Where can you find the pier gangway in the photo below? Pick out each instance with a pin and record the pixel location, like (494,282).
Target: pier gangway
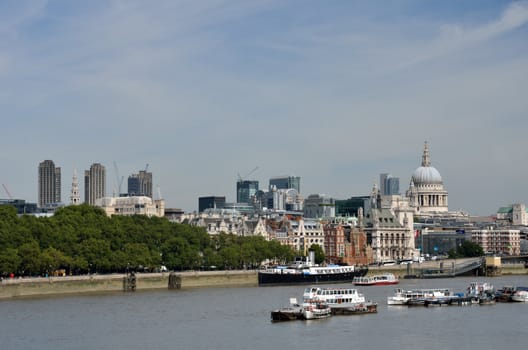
(465,266)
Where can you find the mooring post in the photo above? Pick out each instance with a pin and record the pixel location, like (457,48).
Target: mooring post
(129,282)
(174,281)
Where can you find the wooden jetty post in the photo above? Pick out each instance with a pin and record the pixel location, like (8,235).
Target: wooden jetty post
(129,282)
(174,281)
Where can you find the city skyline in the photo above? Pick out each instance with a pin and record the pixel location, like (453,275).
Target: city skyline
(344,91)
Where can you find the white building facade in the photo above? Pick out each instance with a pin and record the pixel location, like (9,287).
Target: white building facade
(128,206)
(305,233)
(497,241)
(216,221)
(389,224)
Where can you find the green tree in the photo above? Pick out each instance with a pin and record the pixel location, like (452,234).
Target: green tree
(470,249)
(53,259)
(30,259)
(9,261)
(466,249)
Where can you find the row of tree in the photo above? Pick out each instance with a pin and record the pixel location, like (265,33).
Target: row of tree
(82,239)
(467,249)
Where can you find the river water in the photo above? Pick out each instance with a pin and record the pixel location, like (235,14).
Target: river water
(239,318)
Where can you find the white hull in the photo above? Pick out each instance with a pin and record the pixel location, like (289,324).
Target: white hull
(316,311)
(395,300)
(520,296)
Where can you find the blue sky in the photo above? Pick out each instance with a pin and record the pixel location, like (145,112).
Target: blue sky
(336,92)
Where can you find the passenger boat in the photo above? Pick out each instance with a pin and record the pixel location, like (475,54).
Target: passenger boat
(520,295)
(315,309)
(304,271)
(293,312)
(423,297)
(376,280)
(342,301)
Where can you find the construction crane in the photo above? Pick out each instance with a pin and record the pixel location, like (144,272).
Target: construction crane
(146,167)
(7,191)
(119,179)
(240,178)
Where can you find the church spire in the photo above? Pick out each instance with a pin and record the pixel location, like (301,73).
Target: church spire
(75,198)
(426,161)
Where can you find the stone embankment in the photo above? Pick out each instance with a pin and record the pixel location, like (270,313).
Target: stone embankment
(48,286)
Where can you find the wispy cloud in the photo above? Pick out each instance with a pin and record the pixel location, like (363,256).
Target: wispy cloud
(454,37)
(332,91)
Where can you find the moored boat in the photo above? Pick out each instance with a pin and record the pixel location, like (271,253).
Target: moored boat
(480,293)
(376,280)
(293,312)
(425,297)
(520,295)
(342,301)
(315,309)
(505,293)
(306,272)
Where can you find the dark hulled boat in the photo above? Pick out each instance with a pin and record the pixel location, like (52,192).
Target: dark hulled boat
(303,272)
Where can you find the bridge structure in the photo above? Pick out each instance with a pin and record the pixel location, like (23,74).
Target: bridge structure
(449,268)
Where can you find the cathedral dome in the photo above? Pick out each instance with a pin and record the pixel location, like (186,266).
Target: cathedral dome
(426,175)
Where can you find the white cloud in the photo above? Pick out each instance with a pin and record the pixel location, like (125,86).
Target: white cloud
(203,90)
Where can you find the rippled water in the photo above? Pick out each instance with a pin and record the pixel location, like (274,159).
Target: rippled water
(239,318)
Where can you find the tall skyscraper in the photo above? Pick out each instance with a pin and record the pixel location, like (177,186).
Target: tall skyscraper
(389,185)
(75,197)
(94,183)
(246,189)
(140,184)
(286,182)
(49,189)
(392,187)
(382,182)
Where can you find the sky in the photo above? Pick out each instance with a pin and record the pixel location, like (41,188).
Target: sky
(335,92)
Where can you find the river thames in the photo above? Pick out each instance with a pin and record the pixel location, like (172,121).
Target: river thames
(239,318)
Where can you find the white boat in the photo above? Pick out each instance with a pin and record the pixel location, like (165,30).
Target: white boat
(420,297)
(480,293)
(520,295)
(315,309)
(341,300)
(376,280)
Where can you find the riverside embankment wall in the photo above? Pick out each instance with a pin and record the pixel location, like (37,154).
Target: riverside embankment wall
(44,286)
(32,287)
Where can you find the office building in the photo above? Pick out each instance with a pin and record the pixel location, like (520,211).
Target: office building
(21,205)
(389,185)
(94,183)
(350,207)
(286,182)
(49,185)
(140,184)
(319,206)
(129,206)
(211,202)
(246,190)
